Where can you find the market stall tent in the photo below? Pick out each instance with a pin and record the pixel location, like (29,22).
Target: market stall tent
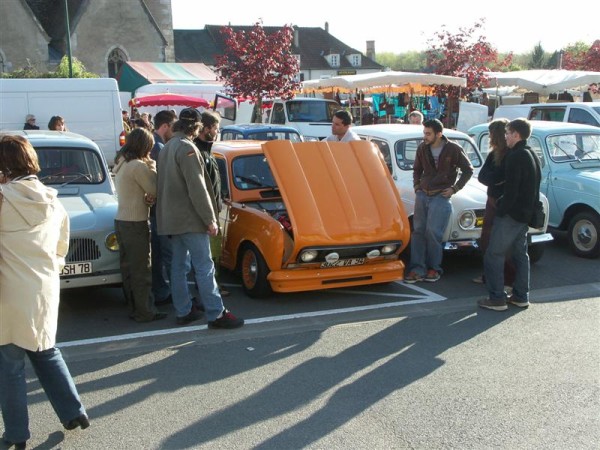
(544,82)
(135,74)
(169,100)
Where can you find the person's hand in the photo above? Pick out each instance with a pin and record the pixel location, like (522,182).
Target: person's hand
(448,192)
(213,229)
(149,199)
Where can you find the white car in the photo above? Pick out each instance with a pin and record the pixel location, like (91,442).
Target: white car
(398,144)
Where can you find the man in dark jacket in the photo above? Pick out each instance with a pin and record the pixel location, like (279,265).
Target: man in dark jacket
(435,179)
(514,211)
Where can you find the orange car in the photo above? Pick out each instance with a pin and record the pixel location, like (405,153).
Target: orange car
(310,215)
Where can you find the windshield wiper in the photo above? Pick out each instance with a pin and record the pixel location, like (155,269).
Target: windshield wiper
(569,155)
(254,182)
(79,176)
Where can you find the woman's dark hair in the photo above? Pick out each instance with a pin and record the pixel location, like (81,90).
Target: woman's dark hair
(138,144)
(497,140)
(55,120)
(17,157)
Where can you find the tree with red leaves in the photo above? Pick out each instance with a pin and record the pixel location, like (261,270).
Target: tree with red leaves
(258,65)
(580,56)
(463,54)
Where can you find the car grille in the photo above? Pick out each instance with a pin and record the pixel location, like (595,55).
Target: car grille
(82,249)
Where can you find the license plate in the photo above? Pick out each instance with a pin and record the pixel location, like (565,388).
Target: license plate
(76,269)
(344,263)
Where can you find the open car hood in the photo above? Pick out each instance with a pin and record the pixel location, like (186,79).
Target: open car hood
(337,193)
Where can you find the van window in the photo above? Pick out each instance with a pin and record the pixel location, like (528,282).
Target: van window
(311,111)
(554,114)
(278,115)
(578,115)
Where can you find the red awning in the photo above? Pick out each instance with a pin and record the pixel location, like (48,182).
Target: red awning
(169,100)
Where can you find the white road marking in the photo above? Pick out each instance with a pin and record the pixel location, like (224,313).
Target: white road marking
(426,297)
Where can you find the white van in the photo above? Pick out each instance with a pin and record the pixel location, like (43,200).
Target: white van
(310,116)
(90,106)
(586,113)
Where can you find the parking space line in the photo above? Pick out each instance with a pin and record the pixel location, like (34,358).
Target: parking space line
(427,297)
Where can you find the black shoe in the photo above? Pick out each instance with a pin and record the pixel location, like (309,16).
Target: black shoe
(227,321)
(156,316)
(17,445)
(192,316)
(165,301)
(81,421)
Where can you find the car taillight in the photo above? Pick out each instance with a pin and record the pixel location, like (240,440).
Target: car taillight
(122,138)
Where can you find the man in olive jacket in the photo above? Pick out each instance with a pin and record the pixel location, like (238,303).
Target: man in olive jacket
(435,174)
(186,212)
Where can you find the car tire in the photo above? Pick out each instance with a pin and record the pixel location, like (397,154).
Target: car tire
(536,252)
(583,235)
(254,271)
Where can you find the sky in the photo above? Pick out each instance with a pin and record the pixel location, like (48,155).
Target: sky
(399,26)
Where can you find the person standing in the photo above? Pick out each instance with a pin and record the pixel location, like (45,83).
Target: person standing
(513,213)
(341,128)
(435,179)
(135,179)
(206,137)
(161,247)
(186,212)
(415,118)
(34,240)
(492,175)
(30,123)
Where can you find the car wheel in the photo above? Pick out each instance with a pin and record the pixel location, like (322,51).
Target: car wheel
(254,273)
(536,252)
(583,235)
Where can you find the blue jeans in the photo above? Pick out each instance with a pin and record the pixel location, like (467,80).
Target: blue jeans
(198,246)
(430,220)
(508,236)
(54,376)
(161,262)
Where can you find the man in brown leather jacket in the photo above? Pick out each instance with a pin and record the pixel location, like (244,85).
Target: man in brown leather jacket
(435,179)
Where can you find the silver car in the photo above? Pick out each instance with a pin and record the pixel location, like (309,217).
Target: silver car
(74,166)
(398,144)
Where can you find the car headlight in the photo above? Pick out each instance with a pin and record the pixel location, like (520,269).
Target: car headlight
(467,220)
(311,138)
(308,255)
(111,242)
(388,249)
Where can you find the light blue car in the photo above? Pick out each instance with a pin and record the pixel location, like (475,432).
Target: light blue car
(570,156)
(74,166)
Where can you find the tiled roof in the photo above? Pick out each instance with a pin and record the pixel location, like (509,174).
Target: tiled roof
(314,44)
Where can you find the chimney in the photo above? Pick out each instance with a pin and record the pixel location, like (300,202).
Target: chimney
(296,38)
(371,50)
(326,27)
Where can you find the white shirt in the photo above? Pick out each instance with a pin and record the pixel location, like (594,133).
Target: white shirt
(349,136)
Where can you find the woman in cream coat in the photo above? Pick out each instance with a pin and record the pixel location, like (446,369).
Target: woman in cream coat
(34,239)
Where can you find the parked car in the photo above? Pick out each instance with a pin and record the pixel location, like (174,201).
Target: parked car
(309,215)
(398,144)
(575,112)
(570,156)
(259,132)
(75,166)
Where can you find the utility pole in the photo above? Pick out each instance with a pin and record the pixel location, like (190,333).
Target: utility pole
(68,39)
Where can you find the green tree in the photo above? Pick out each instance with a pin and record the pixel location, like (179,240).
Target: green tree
(406,62)
(537,57)
(62,71)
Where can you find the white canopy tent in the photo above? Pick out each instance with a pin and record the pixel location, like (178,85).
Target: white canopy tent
(544,82)
(390,79)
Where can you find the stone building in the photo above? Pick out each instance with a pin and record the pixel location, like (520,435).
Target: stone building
(104,33)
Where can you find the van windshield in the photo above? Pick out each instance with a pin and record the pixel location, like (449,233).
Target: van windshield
(311,111)
(69,166)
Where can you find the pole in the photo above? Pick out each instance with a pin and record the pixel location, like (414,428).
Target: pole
(69,56)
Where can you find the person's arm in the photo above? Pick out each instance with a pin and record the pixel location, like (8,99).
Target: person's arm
(145,176)
(486,174)
(418,169)
(514,172)
(466,169)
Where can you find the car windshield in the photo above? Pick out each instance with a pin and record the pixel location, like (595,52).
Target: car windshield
(311,111)
(273,135)
(252,172)
(573,146)
(69,166)
(406,151)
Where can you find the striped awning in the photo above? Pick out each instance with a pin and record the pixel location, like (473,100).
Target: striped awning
(135,74)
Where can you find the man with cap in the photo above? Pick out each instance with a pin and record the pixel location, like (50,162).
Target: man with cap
(186,213)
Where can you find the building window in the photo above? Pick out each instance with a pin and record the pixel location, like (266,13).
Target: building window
(334,60)
(355,60)
(116,58)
